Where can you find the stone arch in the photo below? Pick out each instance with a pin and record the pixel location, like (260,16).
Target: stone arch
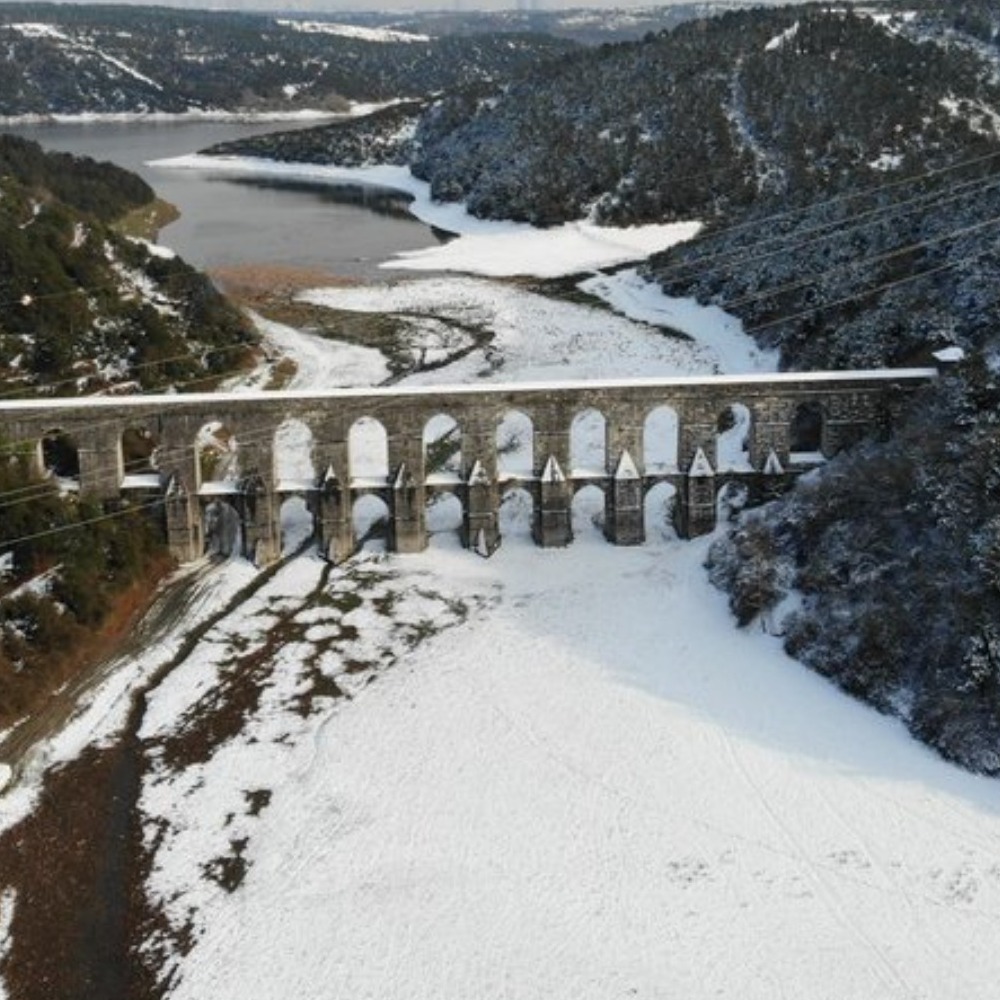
(296,523)
(368,452)
(587,512)
(217,453)
(371,521)
(515,443)
(732,441)
(805,429)
(658,511)
(444,518)
(222,529)
(588,443)
(59,455)
(138,446)
(442,443)
(660,437)
(294,467)
(516,516)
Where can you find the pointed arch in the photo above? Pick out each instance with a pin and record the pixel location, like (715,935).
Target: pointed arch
(660,436)
(515,442)
(368,452)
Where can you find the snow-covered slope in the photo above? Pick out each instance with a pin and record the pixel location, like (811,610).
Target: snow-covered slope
(590,787)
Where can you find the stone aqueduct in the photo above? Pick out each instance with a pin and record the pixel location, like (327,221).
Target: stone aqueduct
(842,406)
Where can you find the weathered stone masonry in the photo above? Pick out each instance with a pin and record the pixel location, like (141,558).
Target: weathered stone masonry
(848,406)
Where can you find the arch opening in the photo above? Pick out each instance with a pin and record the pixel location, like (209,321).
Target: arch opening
(218,456)
(732,442)
(588,435)
(660,434)
(222,530)
(444,520)
(294,468)
(658,511)
(368,452)
(516,516)
(442,441)
(515,443)
(371,521)
(60,456)
(139,447)
(729,501)
(296,524)
(805,432)
(587,513)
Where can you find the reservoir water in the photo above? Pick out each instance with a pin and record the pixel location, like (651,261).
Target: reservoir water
(228,220)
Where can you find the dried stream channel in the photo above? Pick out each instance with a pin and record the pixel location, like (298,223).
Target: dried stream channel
(81,857)
(228,221)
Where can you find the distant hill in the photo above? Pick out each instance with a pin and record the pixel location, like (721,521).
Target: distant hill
(586,25)
(76,59)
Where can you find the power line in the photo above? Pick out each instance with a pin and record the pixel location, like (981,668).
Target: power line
(860,263)
(816,206)
(61,529)
(726,260)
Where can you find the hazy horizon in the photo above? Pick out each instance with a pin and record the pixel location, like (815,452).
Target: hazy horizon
(408,6)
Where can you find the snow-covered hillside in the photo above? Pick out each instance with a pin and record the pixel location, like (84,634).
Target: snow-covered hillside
(116,60)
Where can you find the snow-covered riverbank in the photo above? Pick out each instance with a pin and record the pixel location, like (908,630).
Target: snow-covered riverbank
(536,335)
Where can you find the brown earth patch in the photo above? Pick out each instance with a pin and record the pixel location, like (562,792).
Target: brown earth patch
(264,283)
(271,290)
(46,704)
(77,867)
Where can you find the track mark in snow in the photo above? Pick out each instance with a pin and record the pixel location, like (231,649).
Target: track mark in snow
(890,974)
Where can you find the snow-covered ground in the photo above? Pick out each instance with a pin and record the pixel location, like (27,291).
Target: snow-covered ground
(534,337)
(586,785)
